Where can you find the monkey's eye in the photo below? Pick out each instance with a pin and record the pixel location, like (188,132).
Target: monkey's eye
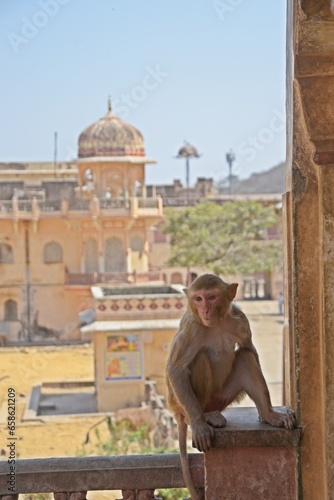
(211,297)
(198,298)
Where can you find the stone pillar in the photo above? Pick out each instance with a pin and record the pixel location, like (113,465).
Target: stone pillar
(309,210)
(134,207)
(129,269)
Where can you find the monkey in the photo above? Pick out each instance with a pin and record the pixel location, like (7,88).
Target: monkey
(213,362)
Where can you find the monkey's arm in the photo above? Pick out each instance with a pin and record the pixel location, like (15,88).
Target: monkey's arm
(183,399)
(243,331)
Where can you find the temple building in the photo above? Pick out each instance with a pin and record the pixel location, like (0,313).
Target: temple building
(66,226)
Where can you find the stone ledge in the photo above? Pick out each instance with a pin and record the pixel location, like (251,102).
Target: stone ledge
(243,429)
(47,475)
(244,442)
(250,459)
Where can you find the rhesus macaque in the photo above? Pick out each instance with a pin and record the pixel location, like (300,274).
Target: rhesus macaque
(213,362)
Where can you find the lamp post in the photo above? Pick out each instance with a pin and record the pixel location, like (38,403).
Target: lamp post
(230,157)
(188,151)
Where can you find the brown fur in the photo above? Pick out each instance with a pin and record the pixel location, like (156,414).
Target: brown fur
(213,362)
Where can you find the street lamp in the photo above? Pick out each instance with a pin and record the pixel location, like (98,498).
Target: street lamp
(230,157)
(188,151)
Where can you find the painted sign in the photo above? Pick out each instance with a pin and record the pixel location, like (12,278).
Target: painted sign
(123,357)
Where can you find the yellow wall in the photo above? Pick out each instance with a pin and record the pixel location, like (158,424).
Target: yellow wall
(59,308)
(53,304)
(112,395)
(156,350)
(68,237)
(13,273)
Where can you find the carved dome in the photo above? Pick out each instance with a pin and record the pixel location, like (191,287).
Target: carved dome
(110,136)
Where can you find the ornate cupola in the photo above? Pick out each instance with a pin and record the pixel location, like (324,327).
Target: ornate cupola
(109,137)
(111,158)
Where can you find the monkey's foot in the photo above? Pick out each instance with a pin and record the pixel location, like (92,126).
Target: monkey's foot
(277,419)
(215,419)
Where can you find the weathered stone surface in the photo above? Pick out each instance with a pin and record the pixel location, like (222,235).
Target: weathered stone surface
(251,460)
(137,472)
(243,429)
(249,473)
(310,237)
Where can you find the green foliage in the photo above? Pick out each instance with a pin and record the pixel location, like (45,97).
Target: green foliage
(226,238)
(173,494)
(125,440)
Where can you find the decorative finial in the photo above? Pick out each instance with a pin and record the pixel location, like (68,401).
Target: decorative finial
(109,105)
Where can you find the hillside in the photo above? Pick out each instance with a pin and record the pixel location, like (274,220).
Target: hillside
(268,181)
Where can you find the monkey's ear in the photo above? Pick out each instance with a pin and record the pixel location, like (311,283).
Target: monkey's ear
(232,290)
(185,290)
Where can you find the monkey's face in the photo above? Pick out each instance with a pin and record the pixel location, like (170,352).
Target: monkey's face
(210,305)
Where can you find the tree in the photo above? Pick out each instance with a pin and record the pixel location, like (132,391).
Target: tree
(226,238)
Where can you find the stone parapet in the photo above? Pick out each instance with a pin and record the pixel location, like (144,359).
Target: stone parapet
(120,207)
(248,460)
(251,460)
(140,307)
(134,473)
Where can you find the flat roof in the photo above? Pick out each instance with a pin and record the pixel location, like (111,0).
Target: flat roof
(115,159)
(140,324)
(136,290)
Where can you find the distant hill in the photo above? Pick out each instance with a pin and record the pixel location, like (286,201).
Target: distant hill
(269,181)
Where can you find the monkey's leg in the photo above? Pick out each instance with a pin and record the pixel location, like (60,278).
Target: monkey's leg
(202,383)
(215,419)
(247,376)
(201,378)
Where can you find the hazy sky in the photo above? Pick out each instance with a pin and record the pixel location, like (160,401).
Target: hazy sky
(211,72)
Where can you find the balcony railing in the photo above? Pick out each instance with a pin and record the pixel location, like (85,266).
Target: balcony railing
(138,476)
(78,204)
(50,206)
(45,208)
(102,278)
(144,203)
(121,203)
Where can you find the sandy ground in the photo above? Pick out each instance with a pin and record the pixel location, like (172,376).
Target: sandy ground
(23,367)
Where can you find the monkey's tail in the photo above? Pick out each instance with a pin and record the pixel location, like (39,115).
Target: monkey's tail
(182,426)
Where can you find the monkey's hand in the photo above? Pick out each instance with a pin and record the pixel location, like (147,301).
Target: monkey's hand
(277,419)
(202,434)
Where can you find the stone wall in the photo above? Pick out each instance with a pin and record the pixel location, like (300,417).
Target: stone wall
(309,233)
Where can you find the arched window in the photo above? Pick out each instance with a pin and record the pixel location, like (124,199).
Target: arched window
(6,254)
(91,256)
(10,310)
(114,256)
(53,253)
